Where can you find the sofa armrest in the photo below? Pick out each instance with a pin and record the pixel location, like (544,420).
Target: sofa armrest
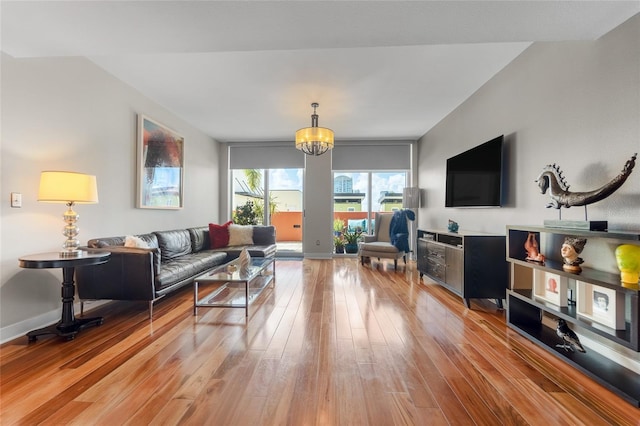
(369,238)
(128,275)
(156,253)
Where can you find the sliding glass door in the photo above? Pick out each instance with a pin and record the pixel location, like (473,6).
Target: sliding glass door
(285,201)
(266,182)
(270,197)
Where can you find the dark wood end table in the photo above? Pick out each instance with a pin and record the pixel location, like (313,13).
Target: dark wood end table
(69,325)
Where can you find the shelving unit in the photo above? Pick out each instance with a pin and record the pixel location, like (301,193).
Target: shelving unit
(534,316)
(470,264)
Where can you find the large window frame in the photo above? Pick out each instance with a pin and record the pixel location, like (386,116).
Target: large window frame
(392,196)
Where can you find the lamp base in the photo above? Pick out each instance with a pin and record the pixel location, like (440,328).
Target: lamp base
(71,244)
(71,253)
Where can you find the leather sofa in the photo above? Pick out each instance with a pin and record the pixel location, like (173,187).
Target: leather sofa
(174,258)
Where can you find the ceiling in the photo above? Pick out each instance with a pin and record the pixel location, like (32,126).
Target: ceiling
(249,70)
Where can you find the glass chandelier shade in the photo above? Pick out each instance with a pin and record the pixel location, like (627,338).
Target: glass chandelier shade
(314,140)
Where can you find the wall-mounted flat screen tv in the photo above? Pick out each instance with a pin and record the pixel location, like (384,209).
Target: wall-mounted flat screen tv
(475,178)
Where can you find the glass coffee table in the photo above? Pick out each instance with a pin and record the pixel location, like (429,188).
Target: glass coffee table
(233,288)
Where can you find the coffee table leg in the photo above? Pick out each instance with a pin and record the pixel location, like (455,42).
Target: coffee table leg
(195,298)
(246,299)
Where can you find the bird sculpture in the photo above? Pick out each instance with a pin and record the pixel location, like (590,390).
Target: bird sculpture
(570,339)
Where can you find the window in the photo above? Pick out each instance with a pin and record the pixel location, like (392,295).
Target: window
(358,196)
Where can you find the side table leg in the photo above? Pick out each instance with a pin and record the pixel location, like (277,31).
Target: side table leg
(69,325)
(68,293)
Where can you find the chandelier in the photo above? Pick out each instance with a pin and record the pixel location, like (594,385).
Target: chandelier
(314,140)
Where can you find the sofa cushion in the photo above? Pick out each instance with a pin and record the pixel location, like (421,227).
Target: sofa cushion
(378,247)
(173,243)
(254,251)
(200,239)
(264,234)
(187,267)
(150,239)
(219,235)
(240,235)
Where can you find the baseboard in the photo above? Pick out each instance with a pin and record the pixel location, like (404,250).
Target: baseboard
(19,329)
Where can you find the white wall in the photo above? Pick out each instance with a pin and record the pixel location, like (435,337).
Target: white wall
(318,207)
(68,114)
(576,104)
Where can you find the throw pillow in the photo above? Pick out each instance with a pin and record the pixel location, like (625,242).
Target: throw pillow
(219,235)
(133,241)
(263,235)
(240,235)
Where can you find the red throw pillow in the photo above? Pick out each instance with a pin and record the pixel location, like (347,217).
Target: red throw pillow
(219,235)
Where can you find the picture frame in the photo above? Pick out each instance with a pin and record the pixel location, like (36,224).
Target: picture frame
(602,305)
(550,287)
(160,175)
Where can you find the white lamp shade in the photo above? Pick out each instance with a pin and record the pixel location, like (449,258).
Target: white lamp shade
(65,187)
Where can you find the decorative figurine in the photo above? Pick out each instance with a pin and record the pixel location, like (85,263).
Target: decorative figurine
(571,248)
(570,340)
(244,260)
(551,179)
(628,260)
(531,246)
(453,226)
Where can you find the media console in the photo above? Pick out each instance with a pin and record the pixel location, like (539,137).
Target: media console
(470,264)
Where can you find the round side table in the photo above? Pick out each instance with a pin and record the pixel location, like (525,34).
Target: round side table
(69,325)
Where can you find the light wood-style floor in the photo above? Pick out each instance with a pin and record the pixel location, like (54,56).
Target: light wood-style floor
(333,343)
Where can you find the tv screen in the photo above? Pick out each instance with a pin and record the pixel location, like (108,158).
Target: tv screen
(474,178)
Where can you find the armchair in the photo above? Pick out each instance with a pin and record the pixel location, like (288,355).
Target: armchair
(379,244)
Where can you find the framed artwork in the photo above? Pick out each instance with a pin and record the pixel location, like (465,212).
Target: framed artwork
(550,287)
(160,166)
(602,305)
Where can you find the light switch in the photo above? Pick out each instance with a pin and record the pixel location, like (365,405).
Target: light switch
(16,199)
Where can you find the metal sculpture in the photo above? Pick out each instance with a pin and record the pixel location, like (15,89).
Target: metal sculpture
(570,340)
(551,179)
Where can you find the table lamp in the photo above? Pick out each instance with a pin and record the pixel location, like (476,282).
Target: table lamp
(69,188)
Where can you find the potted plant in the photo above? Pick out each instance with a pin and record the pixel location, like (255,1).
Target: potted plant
(338,243)
(338,226)
(351,239)
(246,214)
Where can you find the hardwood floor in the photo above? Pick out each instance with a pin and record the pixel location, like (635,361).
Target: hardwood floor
(333,343)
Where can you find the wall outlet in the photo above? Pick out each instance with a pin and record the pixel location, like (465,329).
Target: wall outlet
(16,199)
